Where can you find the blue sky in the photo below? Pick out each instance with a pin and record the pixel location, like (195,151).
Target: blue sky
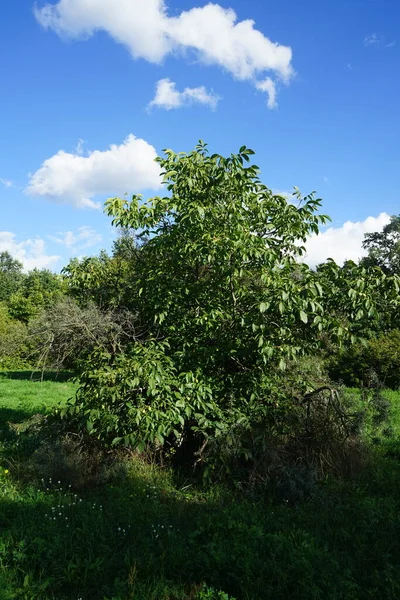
(81,118)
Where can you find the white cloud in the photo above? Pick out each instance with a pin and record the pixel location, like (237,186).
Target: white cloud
(377,40)
(79,147)
(74,179)
(269,87)
(6,182)
(83,237)
(211,33)
(168,97)
(372,39)
(31,252)
(342,243)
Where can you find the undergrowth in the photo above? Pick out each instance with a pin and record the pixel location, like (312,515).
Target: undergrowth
(142,532)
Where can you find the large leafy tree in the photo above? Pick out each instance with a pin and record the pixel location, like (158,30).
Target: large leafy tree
(219,276)
(225,302)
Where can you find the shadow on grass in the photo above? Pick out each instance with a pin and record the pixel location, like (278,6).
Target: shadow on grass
(60,376)
(10,415)
(138,537)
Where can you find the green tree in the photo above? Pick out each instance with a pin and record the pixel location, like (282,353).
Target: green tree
(219,276)
(98,279)
(11,275)
(384,247)
(15,346)
(39,289)
(227,307)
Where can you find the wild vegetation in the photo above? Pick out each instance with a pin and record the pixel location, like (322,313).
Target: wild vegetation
(208,447)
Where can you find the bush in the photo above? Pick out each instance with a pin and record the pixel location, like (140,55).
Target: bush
(207,593)
(14,342)
(66,333)
(139,399)
(73,463)
(365,364)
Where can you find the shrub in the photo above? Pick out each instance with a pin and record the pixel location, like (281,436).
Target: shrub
(74,463)
(140,399)
(363,364)
(14,342)
(208,593)
(66,333)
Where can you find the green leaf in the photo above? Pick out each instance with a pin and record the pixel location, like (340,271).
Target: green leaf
(303,316)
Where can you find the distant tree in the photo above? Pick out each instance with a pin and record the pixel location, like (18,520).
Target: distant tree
(126,246)
(11,275)
(39,289)
(97,279)
(384,248)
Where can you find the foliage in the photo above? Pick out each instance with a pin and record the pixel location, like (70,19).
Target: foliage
(138,398)
(39,290)
(378,357)
(14,342)
(225,306)
(207,593)
(377,294)
(202,338)
(218,276)
(101,280)
(220,254)
(11,275)
(384,247)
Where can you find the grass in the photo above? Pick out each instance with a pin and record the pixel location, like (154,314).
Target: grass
(144,534)
(23,394)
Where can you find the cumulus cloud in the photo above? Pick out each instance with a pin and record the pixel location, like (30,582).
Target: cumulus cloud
(31,252)
(342,243)
(83,237)
(6,182)
(168,97)
(75,179)
(211,33)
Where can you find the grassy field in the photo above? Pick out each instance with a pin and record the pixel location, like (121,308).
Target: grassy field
(138,532)
(23,394)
